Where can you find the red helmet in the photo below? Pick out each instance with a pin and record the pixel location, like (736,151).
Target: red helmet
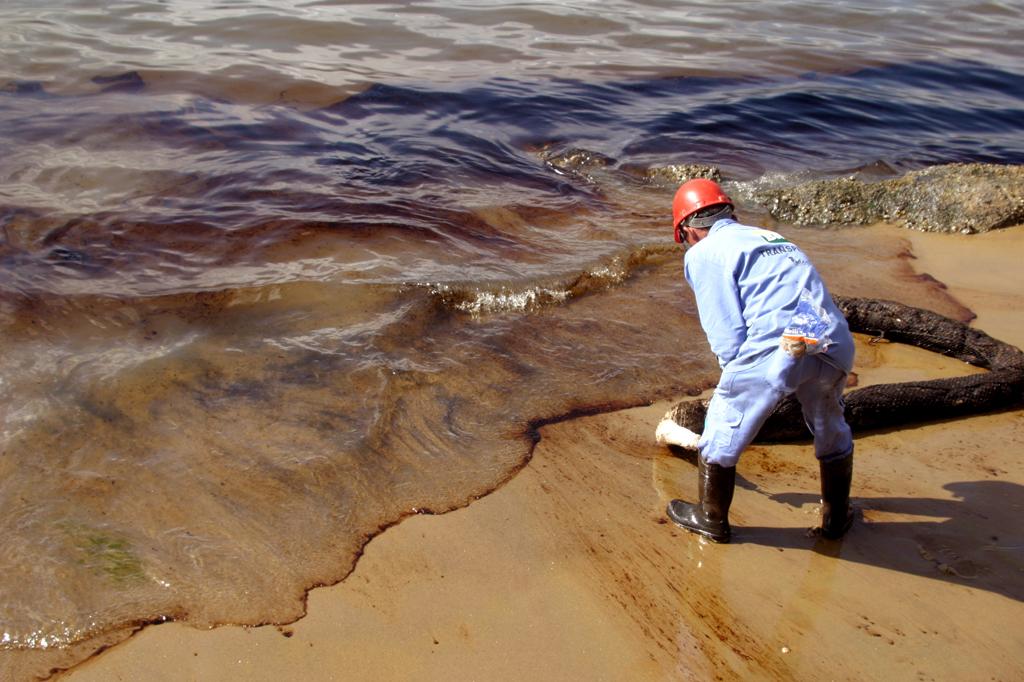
(692,196)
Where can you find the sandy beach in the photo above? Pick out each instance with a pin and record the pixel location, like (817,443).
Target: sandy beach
(570,570)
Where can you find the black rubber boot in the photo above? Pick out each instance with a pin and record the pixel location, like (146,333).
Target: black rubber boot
(836,516)
(710,516)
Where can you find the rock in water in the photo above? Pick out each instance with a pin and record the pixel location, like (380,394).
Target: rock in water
(958,197)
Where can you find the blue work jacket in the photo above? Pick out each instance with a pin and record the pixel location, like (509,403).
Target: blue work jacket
(748,282)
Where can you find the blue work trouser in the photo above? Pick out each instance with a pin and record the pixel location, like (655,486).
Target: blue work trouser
(745,396)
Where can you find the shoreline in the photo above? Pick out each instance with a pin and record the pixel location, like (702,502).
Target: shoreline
(570,569)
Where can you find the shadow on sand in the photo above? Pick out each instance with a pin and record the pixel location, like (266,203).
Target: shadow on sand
(975,539)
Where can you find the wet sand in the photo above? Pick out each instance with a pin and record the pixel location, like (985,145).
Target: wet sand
(570,571)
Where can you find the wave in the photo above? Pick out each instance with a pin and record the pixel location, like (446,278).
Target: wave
(480,300)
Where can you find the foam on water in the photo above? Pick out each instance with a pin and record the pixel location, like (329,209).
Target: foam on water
(478,300)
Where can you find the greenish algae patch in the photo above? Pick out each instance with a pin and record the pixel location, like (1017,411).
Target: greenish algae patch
(105,553)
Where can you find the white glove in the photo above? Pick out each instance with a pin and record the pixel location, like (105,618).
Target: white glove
(670,433)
